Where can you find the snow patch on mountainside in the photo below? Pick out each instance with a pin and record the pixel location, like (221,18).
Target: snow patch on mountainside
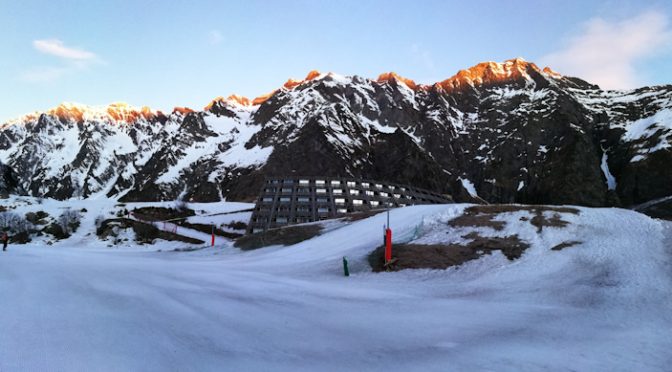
(469,186)
(658,124)
(646,127)
(521,184)
(611,181)
(63,149)
(240,132)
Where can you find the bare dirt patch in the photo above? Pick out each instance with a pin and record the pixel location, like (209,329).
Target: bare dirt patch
(283,236)
(541,220)
(564,245)
(511,246)
(469,219)
(484,216)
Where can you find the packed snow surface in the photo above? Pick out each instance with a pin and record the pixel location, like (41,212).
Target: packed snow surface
(604,304)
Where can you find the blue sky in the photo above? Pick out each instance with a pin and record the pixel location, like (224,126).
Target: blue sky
(184,53)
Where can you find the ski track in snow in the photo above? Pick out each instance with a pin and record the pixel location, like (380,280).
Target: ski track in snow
(604,304)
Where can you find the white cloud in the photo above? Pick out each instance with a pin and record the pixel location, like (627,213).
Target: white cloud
(72,61)
(605,52)
(215,37)
(56,48)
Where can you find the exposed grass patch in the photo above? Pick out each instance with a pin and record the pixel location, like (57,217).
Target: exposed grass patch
(283,236)
(417,256)
(442,256)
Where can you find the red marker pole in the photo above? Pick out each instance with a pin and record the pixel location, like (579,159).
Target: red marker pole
(213,236)
(388,240)
(388,245)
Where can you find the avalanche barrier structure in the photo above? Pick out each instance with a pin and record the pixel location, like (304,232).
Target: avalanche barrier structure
(292,200)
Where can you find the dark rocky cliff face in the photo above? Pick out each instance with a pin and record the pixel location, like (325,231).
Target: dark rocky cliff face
(9,183)
(514,131)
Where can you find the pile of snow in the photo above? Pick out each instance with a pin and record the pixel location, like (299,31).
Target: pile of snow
(604,304)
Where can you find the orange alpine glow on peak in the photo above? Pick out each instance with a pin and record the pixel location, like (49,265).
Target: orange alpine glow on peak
(387,76)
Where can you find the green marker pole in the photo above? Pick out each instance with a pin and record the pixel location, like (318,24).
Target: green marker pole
(346,272)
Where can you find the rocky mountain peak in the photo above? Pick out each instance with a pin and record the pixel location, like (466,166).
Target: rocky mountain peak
(547,70)
(118,112)
(68,111)
(291,83)
(385,77)
(182,110)
(495,72)
(232,99)
(124,112)
(263,98)
(244,101)
(240,100)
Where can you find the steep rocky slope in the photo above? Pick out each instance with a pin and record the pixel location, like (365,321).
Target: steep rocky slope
(9,183)
(508,132)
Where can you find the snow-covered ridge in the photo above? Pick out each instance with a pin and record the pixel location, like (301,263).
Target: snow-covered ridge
(489,72)
(328,123)
(290,84)
(119,111)
(481,73)
(115,112)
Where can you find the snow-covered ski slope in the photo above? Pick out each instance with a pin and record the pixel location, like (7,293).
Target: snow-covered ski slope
(602,305)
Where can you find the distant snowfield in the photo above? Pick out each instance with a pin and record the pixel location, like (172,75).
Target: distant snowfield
(603,305)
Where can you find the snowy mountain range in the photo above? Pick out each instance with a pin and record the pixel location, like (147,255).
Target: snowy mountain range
(502,132)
